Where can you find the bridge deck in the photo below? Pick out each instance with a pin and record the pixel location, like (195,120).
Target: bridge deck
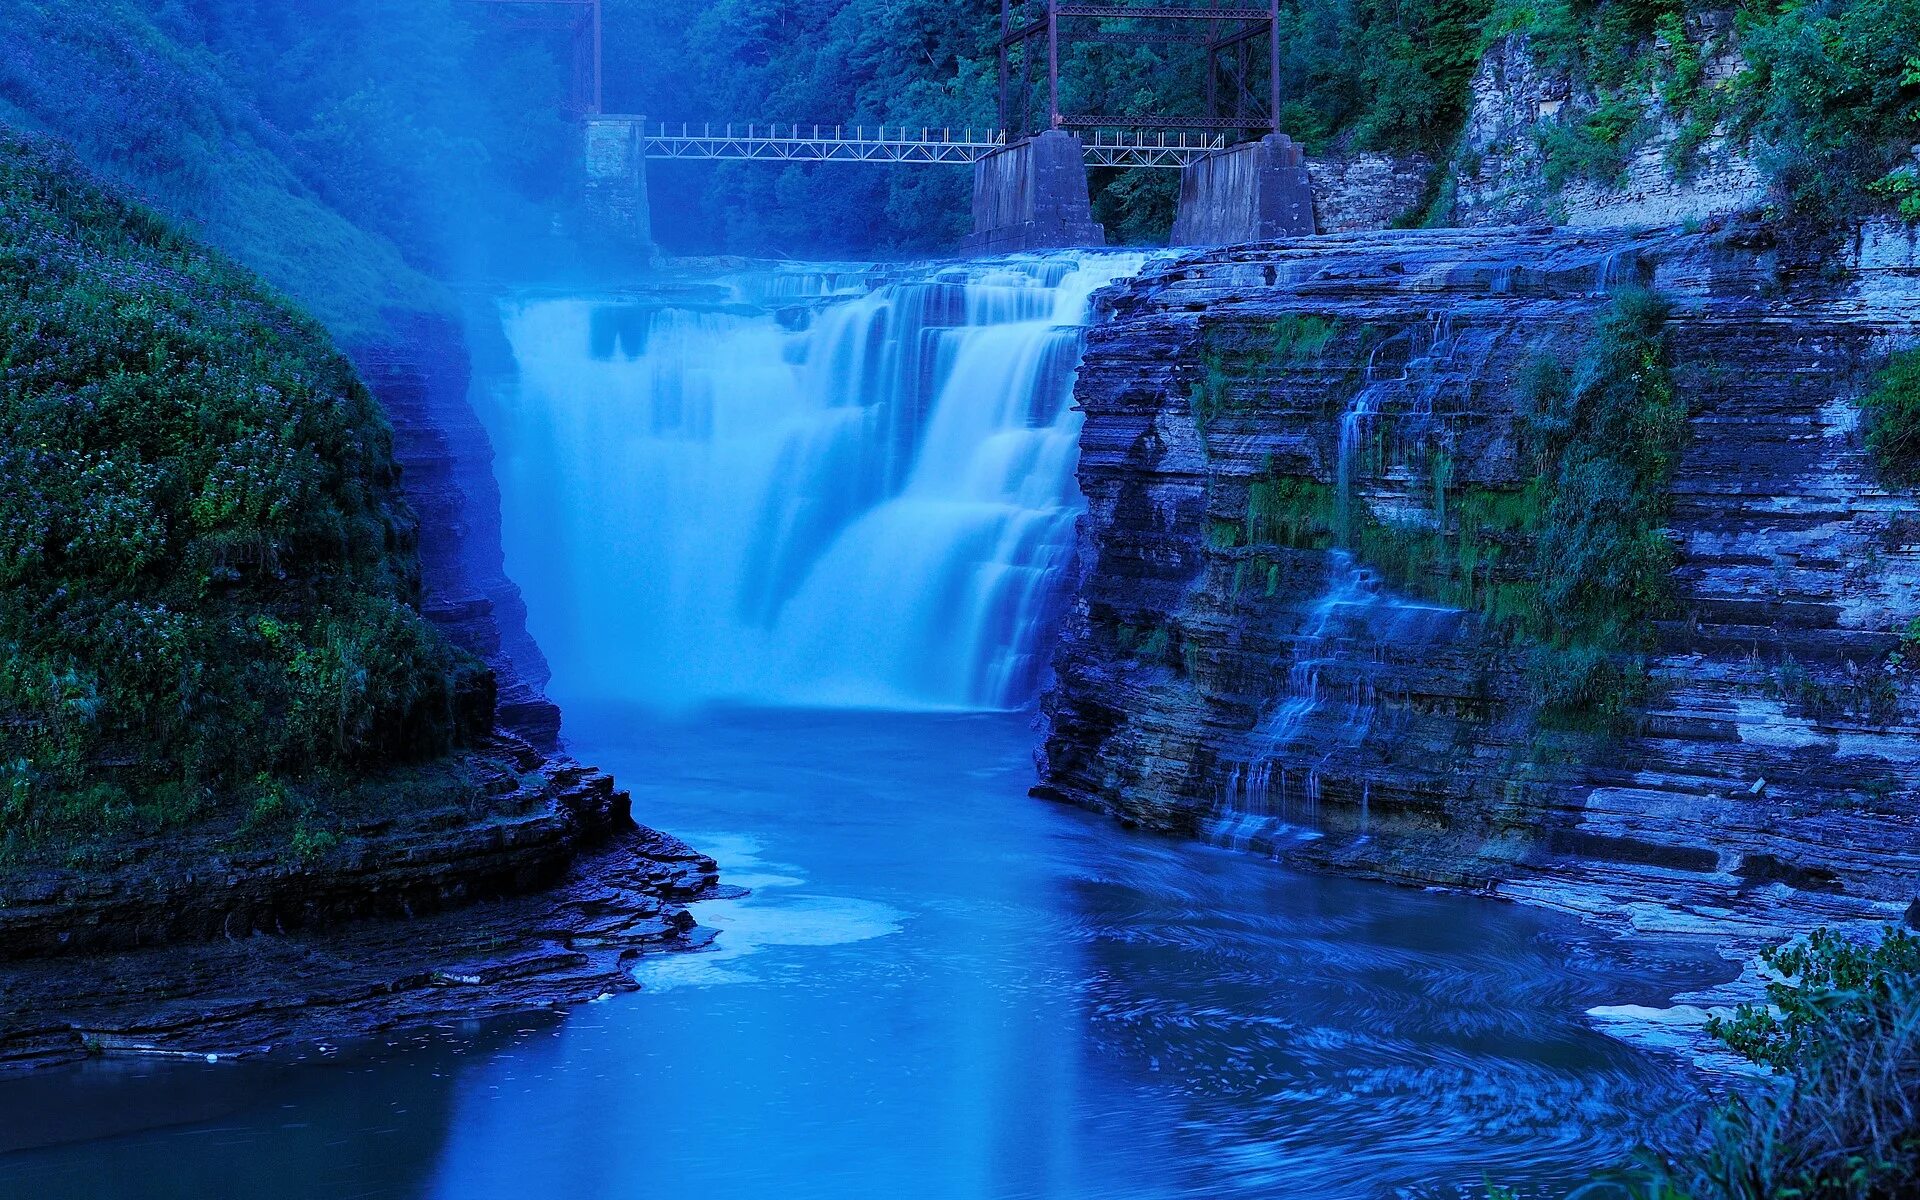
(894,144)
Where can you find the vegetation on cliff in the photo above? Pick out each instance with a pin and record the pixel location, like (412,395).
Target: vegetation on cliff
(1827,96)
(207,576)
(1892,415)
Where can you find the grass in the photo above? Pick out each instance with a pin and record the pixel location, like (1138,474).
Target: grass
(166,119)
(1838,1116)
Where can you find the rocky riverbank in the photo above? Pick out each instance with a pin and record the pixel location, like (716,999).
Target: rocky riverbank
(1235,667)
(541,897)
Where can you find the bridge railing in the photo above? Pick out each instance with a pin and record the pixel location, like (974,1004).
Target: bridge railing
(798,142)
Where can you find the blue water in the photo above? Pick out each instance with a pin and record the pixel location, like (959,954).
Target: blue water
(939,988)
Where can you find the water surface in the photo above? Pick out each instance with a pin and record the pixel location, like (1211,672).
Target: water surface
(939,988)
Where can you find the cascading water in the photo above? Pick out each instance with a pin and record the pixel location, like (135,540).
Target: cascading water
(815,488)
(1259,804)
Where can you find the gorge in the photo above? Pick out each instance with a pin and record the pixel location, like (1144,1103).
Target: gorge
(800,547)
(936,984)
(543,655)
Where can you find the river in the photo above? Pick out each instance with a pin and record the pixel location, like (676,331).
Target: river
(793,554)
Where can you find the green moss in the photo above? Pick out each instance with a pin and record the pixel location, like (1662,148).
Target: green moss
(208,574)
(1222,535)
(1150,645)
(1892,417)
(1575,565)
(1234,356)
(1286,510)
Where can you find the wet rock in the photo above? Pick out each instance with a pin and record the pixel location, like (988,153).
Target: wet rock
(539,898)
(1757,793)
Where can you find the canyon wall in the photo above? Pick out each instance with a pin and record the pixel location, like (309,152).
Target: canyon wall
(1262,421)
(421,374)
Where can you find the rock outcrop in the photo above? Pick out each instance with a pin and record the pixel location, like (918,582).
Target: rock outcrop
(421,375)
(1227,669)
(539,894)
(1671,174)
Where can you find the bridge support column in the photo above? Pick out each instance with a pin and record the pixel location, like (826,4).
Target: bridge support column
(1032,195)
(1253,192)
(616,185)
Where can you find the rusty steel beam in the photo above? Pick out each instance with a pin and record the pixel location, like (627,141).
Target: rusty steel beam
(1155,121)
(1233,97)
(1146,39)
(1164,14)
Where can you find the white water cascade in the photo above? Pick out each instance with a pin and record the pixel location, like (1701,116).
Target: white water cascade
(1274,795)
(809,488)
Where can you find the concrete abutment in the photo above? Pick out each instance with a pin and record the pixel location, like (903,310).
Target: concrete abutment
(1253,192)
(1033,195)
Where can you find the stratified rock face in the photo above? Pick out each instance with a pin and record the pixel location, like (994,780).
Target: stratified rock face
(1214,678)
(539,892)
(421,378)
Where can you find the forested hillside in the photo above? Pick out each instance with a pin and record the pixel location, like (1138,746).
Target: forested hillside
(1371,74)
(351,151)
(1825,95)
(207,575)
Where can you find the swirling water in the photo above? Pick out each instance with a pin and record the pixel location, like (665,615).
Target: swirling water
(939,986)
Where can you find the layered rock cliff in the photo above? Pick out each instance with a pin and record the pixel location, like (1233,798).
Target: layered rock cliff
(1267,426)
(421,374)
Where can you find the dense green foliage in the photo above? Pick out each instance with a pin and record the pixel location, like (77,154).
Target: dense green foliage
(1839,1116)
(1843,1034)
(1892,414)
(1829,98)
(348,150)
(1365,73)
(206,574)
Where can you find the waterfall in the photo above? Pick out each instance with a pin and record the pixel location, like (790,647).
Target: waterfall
(1345,630)
(831,486)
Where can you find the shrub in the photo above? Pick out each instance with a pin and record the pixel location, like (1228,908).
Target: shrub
(1838,1118)
(1829,100)
(1841,1116)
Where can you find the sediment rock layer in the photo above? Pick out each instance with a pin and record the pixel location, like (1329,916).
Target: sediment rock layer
(421,375)
(541,899)
(1208,673)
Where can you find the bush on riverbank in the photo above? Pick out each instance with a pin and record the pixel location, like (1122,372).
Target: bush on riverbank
(1838,1118)
(207,576)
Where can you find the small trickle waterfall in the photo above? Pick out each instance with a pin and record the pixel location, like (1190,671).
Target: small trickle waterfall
(1274,795)
(812,487)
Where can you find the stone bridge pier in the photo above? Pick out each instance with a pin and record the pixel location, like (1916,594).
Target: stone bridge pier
(1253,192)
(617,210)
(1032,195)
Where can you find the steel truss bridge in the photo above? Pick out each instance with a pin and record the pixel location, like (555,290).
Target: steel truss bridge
(896,144)
(1240,45)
